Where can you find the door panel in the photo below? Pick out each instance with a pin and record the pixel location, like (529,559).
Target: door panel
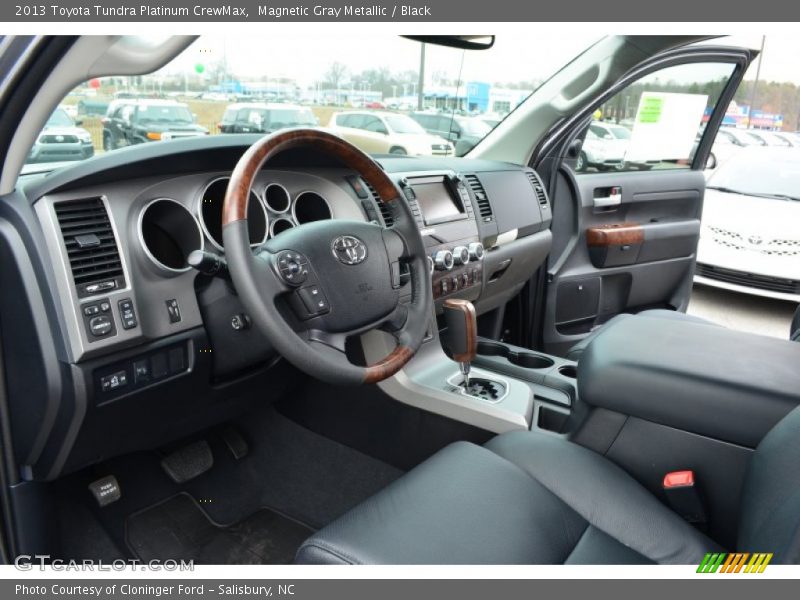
(624,257)
(626,223)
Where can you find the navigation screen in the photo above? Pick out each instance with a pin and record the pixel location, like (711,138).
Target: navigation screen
(435,201)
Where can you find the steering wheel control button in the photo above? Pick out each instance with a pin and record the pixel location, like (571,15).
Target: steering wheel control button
(293,267)
(173,310)
(240,322)
(127,314)
(314,300)
(100,326)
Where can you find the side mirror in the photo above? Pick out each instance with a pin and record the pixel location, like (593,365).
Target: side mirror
(711,161)
(78,122)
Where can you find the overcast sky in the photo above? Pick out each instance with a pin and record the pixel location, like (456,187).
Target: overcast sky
(513,58)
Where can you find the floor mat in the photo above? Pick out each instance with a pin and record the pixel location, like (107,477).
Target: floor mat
(179,529)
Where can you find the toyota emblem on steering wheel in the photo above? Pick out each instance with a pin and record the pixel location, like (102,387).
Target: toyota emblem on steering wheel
(349,250)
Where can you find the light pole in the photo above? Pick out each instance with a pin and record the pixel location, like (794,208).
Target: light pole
(755,84)
(420,92)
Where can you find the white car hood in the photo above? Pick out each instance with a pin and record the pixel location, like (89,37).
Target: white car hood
(751,234)
(63,131)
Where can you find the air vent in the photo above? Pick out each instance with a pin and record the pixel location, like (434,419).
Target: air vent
(484,208)
(91,245)
(538,188)
(386,212)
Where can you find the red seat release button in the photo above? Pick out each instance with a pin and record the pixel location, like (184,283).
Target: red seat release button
(679,479)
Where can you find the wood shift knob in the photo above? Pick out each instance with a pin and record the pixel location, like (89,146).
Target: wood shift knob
(462,329)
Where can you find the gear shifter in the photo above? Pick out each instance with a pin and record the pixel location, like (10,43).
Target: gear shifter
(462,334)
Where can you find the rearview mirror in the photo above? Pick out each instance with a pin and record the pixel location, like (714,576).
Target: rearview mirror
(462,42)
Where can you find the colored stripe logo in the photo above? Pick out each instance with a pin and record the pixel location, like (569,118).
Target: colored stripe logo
(737,562)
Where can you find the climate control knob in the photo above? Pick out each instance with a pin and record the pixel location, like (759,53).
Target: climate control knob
(460,255)
(475,250)
(443,260)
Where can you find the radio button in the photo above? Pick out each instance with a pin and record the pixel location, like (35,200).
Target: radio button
(461,255)
(443,260)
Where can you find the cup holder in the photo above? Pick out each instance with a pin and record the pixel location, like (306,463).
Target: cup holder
(527,360)
(569,371)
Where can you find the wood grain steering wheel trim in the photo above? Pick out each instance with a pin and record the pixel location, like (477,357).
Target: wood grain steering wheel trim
(389,365)
(238,193)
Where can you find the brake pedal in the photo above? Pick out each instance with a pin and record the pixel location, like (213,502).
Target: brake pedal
(235,442)
(188,462)
(105,490)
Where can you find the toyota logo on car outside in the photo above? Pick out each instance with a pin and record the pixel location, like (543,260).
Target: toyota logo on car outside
(349,250)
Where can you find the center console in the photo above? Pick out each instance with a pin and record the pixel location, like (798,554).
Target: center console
(491,385)
(443,210)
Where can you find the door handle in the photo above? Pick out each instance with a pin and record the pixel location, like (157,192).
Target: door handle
(613,197)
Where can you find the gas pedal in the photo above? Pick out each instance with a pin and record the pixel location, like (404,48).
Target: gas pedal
(235,442)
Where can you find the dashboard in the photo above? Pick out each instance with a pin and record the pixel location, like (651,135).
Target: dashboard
(143,340)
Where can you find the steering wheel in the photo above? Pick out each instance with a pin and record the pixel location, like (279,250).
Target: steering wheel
(317,284)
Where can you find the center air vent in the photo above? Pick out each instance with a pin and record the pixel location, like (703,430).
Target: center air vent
(91,246)
(484,208)
(386,212)
(538,188)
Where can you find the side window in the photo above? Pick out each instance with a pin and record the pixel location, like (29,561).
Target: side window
(126,114)
(374,124)
(255,117)
(424,120)
(656,122)
(229,115)
(355,121)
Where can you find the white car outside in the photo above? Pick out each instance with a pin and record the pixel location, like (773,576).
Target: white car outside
(750,239)
(378,132)
(604,147)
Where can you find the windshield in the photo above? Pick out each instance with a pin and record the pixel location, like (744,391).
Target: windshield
(59,118)
(403,124)
(165,114)
(768,172)
(315,76)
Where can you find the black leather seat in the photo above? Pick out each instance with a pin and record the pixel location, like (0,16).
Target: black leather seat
(534,498)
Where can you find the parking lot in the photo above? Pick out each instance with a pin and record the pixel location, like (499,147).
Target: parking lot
(743,312)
